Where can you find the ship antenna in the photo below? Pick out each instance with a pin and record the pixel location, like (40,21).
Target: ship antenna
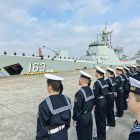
(110,39)
(105,25)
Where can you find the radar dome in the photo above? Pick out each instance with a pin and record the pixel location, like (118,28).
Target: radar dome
(104,31)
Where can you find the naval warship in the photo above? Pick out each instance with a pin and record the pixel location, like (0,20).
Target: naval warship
(137,57)
(99,52)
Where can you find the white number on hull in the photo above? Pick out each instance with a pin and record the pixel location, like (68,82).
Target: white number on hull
(43,66)
(30,67)
(36,67)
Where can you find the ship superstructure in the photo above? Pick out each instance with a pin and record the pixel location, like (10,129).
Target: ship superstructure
(102,52)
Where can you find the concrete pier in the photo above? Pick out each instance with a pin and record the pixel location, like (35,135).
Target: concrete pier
(21,95)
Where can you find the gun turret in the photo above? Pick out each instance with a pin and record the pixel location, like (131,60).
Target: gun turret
(57,52)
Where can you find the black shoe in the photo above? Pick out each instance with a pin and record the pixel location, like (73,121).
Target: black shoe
(110,125)
(95,138)
(117,116)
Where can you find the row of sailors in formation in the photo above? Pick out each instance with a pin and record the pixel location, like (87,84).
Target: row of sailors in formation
(54,113)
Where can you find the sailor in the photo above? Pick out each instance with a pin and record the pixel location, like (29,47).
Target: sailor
(133,103)
(138,70)
(120,91)
(126,87)
(100,89)
(110,97)
(83,105)
(54,113)
(135,73)
(129,67)
(130,72)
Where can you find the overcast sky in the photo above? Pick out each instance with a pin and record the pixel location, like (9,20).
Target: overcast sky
(67,25)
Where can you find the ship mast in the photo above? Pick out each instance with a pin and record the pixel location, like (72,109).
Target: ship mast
(105,35)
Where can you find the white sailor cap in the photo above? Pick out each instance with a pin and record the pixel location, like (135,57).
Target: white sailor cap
(138,66)
(99,70)
(134,66)
(119,68)
(85,75)
(135,86)
(53,78)
(126,68)
(109,69)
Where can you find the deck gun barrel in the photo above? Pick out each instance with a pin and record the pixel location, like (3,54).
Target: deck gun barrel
(57,52)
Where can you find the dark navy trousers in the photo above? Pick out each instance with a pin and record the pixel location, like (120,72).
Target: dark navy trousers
(110,109)
(119,102)
(84,127)
(100,117)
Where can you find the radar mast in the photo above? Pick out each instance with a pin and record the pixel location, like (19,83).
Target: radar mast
(104,35)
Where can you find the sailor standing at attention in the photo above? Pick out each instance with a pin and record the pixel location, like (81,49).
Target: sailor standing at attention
(54,112)
(135,73)
(120,91)
(110,97)
(133,103)
(100,89)
(83,105)
(126,87)
(130,73)
(129,67)
(138,70)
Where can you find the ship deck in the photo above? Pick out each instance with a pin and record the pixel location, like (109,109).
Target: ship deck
(21,95)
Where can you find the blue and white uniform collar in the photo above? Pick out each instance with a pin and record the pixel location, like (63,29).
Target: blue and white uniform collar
(136,128)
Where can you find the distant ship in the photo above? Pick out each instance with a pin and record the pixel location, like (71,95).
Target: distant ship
(99,53)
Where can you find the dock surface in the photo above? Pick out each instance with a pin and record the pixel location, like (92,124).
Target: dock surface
(21,95)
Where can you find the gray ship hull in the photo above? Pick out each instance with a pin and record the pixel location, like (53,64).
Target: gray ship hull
(35,64)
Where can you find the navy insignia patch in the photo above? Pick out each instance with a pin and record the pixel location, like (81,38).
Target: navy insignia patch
(38,114)
(94,87)
(133,88)
(76,99)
